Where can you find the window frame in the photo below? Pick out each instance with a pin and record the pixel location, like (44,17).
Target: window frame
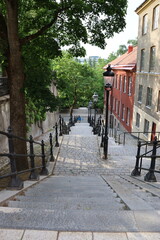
(152,58)
(140,91)
(138,117)
(149,97)
(155,17)
(146,127)
(142,60)
(145,24)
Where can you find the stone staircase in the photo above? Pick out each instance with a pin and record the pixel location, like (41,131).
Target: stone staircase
(67,203)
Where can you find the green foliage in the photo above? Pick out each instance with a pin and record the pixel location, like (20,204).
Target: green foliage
(76,82)
(39,78)
(133,42)
(121,50)
(44,27)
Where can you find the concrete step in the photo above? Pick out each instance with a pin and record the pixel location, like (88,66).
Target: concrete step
(66,199)
(108,221)
(133,196)
(77,204)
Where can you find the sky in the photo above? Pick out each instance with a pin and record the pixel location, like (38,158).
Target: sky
(130,32)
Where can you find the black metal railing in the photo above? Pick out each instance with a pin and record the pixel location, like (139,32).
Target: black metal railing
(44,155)
(149,152)
(121,137)
(4,88)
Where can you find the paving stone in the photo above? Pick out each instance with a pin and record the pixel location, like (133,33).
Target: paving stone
(75,236)
(110,236)
(11,234)
(143,236)
(40,235)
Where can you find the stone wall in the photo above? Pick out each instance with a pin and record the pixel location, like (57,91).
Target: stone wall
(4,120)
(36,129)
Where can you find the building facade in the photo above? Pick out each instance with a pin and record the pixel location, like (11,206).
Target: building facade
(146,115)
(122,94)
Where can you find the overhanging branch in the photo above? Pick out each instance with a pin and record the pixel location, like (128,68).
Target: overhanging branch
(43,29)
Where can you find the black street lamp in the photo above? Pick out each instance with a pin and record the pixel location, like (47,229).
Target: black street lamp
(89,111)
(108,76)
(95,99)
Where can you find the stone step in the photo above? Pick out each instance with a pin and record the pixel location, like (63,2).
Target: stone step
(108,221)
(63,199)
(128,194)
(76,204)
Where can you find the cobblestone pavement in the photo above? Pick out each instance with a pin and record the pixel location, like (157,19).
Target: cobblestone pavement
(80,154)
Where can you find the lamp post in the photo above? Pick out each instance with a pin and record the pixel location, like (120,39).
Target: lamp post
(108,76)
(95,99)
(89,111)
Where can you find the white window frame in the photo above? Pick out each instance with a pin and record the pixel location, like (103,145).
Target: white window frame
(140,90)
(155,17)
(149,97)
(138,117)
(146,127)
(145,24)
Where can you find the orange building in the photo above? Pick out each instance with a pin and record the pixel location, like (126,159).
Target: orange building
(122,94)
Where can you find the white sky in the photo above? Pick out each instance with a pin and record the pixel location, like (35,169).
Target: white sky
(130,32)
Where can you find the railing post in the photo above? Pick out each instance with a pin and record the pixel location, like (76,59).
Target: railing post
(33,175)
(60,127)
(136,171)
(119,139)
(150,176)
(44,170)
(16,183)
(124,138)
(102,137)
(115,134)
(57,143)
(52,159)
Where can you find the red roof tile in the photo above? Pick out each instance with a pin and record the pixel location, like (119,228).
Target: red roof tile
(127,61)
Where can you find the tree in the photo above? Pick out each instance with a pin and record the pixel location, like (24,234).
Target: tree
(121,50)
(67,22)
(75,81)
(133,42)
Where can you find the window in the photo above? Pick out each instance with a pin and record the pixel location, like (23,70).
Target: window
(144,24)
(158,104)
(149,97)
(116,105)
(123,111)
(155,17)
(140,93)
(116,86)
(137,120)
(118,108)
(146,127)
(152,58)
(142,60)
(129,86)
(124,84)
(120,83)
(113,103)
(128,116)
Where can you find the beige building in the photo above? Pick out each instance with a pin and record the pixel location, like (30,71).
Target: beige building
(146,116)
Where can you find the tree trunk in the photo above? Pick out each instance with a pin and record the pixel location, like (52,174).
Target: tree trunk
(15,72)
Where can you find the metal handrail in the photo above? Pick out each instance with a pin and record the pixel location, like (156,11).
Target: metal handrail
(16,182)
(150,177)
(131,133)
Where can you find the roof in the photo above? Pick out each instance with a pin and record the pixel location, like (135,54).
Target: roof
(141,5)
(127,61)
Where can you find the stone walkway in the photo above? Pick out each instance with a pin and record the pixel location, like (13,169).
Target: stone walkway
(87,197)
